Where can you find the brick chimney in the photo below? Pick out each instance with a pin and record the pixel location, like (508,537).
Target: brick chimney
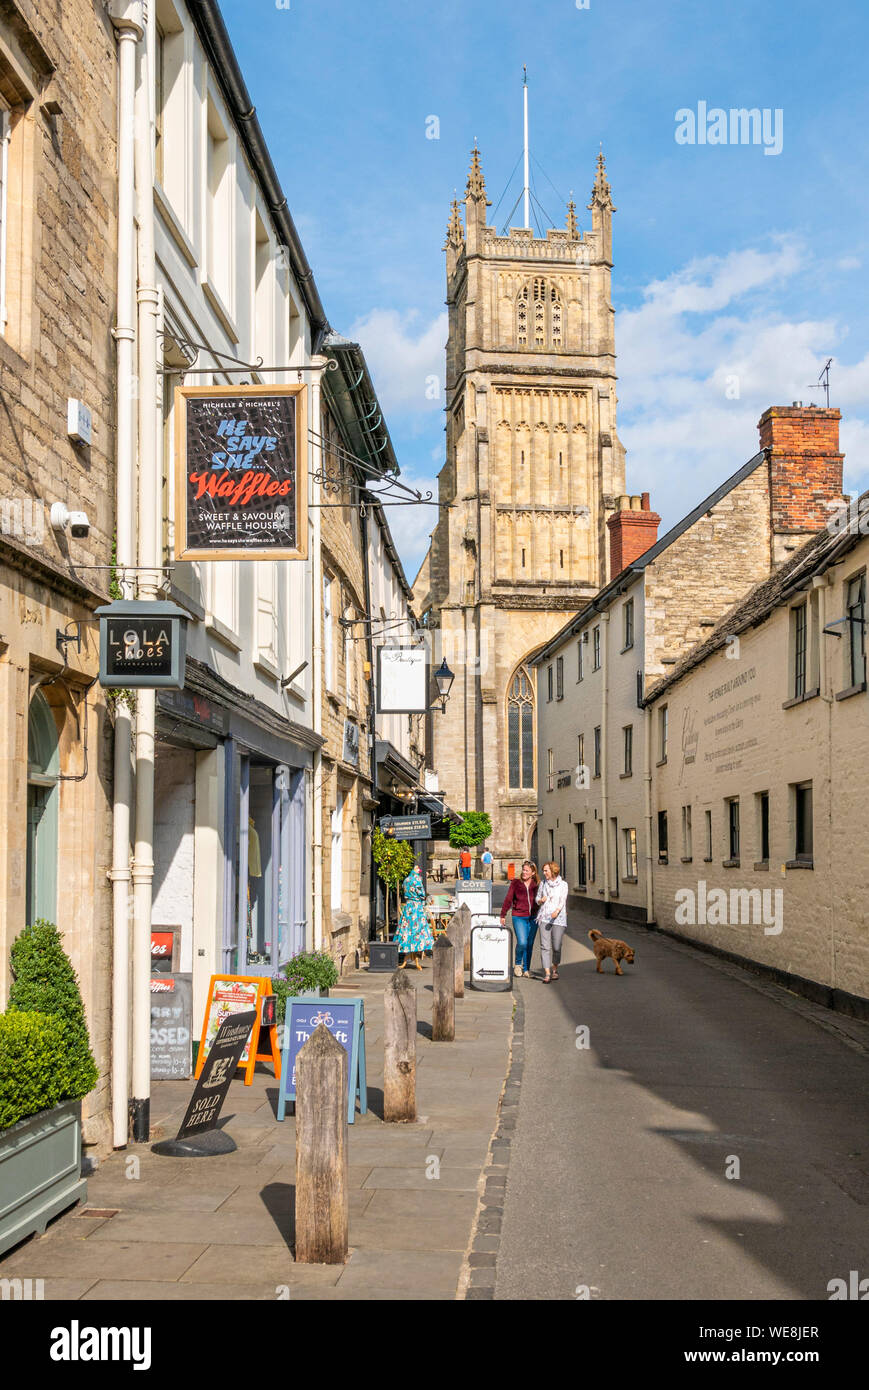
(805,472)
(633,528)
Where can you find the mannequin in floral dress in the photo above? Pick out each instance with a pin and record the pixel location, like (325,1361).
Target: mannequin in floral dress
(414,933)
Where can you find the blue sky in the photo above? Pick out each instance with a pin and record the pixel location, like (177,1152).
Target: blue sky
(735,271)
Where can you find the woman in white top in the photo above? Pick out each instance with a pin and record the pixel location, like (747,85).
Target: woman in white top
(551,919)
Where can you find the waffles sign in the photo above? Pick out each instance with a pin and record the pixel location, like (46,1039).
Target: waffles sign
(241,477)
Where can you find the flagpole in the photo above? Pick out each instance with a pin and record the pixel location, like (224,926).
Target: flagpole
(525,98)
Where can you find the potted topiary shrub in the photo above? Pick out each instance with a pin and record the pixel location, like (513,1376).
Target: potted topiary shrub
(46,1068)
(310,972)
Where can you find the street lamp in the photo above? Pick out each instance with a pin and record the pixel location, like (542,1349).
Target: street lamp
(444,678)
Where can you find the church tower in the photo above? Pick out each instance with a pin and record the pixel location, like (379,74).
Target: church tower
(533,469)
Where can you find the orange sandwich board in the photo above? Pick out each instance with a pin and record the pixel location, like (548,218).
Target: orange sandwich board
(231,994)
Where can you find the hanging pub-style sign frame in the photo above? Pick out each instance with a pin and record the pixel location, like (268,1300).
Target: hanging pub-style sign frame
(241,478)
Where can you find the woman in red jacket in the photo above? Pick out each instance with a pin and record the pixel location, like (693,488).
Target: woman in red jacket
(521,899)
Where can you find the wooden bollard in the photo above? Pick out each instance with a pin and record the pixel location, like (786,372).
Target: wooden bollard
(443,1012)
(399,1061)
(456,935)
(322,1235)
(465,914)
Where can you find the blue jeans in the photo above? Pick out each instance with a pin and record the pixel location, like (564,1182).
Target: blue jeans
(466,873)
(526,930)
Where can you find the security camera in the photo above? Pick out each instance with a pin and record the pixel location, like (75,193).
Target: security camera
(61,517)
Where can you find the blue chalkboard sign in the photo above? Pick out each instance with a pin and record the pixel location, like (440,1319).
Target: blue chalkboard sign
(345,1019)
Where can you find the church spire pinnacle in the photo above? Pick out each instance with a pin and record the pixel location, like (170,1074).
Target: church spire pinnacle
(572,229)
(601,193)
(476,187)
(455,230)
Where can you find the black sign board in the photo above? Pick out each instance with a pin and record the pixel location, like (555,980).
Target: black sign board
(242,474)
(142,644)
(407,827)
(198,1135)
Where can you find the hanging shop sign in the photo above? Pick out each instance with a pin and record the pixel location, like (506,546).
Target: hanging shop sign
(403,680)
(142,644)
(407,827)
(231,994)
(241,473)
(345,1019)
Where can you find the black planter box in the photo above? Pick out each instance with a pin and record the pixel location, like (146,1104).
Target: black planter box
(382,956)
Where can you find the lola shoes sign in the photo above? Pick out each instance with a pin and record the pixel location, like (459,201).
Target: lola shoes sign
(142,644)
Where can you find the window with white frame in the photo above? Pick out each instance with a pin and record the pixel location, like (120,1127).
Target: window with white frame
(595,639)
(220,208)
(663,733)
(628,633)
(629,840)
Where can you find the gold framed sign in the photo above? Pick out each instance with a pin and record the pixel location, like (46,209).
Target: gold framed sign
(241,484)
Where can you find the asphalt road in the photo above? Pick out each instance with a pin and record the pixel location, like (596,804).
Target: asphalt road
(618,1173)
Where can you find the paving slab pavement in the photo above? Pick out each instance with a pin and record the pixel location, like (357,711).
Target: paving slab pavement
(222,1228)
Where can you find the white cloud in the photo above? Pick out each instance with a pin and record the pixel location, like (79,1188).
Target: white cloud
(706,352)
(406,361)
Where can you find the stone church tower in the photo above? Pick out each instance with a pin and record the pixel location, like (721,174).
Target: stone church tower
(533,469)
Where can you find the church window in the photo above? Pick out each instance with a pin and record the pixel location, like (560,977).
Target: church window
(561,559)
(523,557)
(520,731)
(522,317)
(548,315)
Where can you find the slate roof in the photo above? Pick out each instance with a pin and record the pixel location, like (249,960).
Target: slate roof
(814,557)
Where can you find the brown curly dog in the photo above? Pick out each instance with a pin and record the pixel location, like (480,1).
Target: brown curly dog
(617,951)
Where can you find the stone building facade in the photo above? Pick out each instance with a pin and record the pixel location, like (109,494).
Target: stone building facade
(57,102)
(763,788)
(532,472)
(599,743)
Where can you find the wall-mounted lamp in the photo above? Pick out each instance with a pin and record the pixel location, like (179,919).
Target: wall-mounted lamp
(444,678)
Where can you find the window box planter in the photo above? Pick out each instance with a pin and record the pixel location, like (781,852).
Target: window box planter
(40,1171)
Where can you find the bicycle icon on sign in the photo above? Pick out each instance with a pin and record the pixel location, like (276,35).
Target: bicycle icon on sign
(322,1017)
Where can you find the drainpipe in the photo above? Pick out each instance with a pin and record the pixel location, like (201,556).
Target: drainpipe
(150,557)
(647,778)
(317,677)
(128,24)
(604,772)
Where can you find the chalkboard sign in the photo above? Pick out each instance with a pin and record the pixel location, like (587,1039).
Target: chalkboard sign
(214,1081)
(345,1019)
(171,1027)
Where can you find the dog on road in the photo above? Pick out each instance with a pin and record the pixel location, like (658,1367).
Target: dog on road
(617,951)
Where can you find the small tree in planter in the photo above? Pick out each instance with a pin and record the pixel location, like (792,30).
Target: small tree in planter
(46,983)
(394,861)
(472,830)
